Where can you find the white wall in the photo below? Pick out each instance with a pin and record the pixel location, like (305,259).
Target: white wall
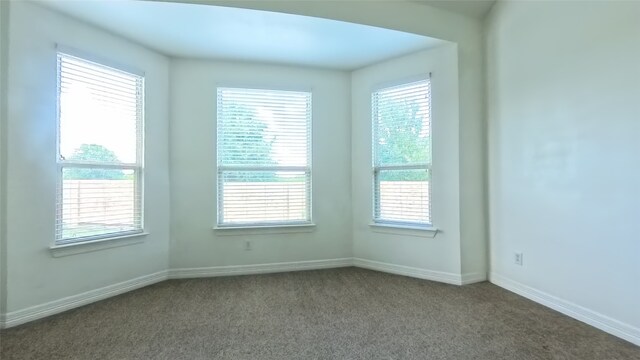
(564,121)
(193,159)
(34,276)
(442,253)
(467,34)
(4,45)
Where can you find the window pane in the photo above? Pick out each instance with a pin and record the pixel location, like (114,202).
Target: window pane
(99,112)
(401,124)
(263,127)
(100,124)
(264,196)
(96,202)
(264,156)
(402,196)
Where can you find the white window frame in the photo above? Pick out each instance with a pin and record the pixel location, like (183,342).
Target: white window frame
(61,163)
(376,168)
(284,226)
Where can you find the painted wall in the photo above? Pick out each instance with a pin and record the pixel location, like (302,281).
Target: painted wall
(34,276)
(564,124)
(186,208)
(401,247)
(467,33)
(193,175)
(4,46)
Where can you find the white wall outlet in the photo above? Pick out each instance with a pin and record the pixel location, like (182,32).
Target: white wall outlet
(247,245)
(517,258)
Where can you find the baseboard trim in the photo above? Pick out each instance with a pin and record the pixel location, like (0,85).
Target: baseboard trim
(187,273)
(449,278)
(57,306)
(472,278)
(595,319)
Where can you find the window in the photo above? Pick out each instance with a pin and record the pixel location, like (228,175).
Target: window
(402,154)
(264,157)
(100,151)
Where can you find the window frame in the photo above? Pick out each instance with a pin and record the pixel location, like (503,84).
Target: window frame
(379,223)
(250,228)
(137,167)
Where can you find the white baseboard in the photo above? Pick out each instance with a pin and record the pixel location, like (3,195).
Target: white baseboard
(449,278)
(597,320)
(472,278)
(186,273)
(57,306)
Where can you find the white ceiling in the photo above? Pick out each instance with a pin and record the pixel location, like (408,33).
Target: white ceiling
(213,32)
(474,8)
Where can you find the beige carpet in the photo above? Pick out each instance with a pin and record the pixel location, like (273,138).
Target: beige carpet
(327,314)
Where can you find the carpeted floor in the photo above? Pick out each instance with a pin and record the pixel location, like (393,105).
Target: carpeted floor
(345,313)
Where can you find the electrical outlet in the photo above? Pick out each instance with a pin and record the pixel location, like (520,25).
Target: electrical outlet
(517,258)
(247,245)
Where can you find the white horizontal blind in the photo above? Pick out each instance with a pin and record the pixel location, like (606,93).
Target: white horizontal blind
(100,151)
(402,154)
(264,157)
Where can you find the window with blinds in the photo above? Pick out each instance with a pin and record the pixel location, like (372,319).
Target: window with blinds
(401,117)
(100,151)
(263,157)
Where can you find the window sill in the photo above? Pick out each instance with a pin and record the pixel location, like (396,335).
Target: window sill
(95,245)
(264,230)
(429,232)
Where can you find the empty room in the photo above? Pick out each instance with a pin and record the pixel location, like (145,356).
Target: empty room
(307,179)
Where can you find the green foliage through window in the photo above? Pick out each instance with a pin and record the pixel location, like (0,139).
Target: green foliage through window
(97,153)
(402,137)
